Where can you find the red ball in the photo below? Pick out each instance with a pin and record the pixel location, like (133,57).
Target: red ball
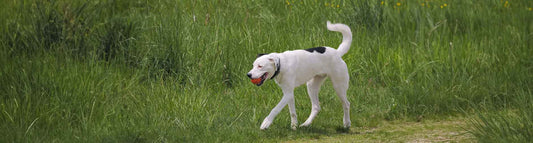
(256,81)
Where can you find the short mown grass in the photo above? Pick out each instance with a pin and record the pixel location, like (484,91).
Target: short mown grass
(449,129)
(174,71)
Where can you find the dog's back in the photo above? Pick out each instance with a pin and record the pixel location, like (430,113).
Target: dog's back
(311,62)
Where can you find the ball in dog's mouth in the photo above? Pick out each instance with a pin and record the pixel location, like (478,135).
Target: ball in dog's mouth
(259,81)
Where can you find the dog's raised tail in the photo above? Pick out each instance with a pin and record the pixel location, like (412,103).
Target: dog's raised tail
(346,36)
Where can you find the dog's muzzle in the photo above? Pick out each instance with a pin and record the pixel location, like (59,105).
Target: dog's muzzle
(258,81)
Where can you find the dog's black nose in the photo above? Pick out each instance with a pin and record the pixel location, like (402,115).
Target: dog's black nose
(249,75)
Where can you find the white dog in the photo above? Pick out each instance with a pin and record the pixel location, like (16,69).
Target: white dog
(291,69)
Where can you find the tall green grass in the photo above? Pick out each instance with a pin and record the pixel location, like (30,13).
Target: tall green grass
(143,71)
(513,125)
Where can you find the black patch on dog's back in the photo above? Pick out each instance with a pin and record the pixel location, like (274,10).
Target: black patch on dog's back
(259,55)
(320,50)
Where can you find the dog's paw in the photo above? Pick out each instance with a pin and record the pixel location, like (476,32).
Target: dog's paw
(305,124)
(266,123)
(347,124)
(293,126)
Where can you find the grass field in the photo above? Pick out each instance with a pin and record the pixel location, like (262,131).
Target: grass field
(174,71)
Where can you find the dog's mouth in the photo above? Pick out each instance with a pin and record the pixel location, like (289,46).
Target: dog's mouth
(259,81)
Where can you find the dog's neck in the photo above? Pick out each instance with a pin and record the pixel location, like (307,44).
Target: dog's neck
(278,62)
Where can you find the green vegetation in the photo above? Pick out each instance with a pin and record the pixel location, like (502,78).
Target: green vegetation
(174,71)
(514,125)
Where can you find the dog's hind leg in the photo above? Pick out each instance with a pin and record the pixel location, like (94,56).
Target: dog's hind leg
(313,87)
(340,82)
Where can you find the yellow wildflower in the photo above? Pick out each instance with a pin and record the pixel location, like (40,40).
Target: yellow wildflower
(423,4)
(382,2)
(445,5)
(530,9)
(398,4)
(506,4)
(337,6)
(441,6)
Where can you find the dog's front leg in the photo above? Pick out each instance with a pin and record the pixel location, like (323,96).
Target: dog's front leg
(292,111)
(288,95)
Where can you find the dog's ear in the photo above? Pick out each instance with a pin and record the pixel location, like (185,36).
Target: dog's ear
(259,55)
(272,58)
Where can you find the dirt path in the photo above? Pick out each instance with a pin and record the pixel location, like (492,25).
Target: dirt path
(397,131)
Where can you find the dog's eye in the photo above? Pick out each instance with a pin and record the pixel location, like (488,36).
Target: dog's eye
(259,66)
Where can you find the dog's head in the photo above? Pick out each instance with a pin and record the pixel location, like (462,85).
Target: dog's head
(265,67)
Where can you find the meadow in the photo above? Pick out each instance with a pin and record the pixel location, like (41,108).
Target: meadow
(174,71)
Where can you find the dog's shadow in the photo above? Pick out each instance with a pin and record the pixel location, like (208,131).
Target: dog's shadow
(309,132)
(325,130)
